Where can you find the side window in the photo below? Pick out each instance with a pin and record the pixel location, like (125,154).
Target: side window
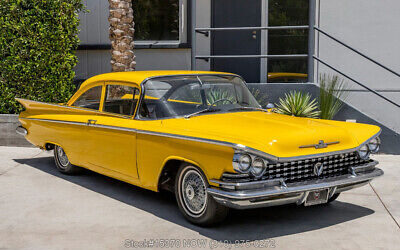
(121,99)
(90,99)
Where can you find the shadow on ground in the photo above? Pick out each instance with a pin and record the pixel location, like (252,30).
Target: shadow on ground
(255,224)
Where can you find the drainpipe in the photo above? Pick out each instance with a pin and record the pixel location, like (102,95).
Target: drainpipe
(193,21)
(311,39)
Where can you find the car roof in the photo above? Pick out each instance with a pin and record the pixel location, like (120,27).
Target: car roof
(137,77)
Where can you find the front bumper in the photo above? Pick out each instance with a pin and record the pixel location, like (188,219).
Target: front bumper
(242,195)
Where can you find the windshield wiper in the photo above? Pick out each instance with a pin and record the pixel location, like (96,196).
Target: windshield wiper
(249,108)
(201,111)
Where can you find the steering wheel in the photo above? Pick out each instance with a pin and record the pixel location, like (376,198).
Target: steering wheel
(220,100)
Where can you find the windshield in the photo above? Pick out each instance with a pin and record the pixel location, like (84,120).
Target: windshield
(173,96)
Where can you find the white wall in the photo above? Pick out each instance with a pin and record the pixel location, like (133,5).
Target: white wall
(373,28)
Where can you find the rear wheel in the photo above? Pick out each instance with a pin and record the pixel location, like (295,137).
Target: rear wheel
(62,162)
(193,201)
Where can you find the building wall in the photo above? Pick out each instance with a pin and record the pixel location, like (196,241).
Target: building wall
(372,27)
(203,20)
(94,32)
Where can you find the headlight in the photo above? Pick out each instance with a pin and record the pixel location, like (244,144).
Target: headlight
(258,167)
(244,163)
(374,145)
(364,152)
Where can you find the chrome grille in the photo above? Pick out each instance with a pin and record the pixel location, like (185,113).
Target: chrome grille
(303,170)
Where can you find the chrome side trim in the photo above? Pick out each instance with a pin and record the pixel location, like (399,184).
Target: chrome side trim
(236,146)
(84,124)
(55,121)
(21,131)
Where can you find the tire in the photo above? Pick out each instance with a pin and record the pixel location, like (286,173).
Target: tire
(193,201)
(333,198)
(62,162)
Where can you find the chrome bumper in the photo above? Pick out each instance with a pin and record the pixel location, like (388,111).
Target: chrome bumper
(276,192)
(21,131)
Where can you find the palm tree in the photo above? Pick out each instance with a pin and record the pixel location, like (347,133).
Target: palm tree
(121,35)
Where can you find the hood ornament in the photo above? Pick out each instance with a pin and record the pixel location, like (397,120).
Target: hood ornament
(321,144)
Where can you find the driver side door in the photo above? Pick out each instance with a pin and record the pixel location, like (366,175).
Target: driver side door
(113,135)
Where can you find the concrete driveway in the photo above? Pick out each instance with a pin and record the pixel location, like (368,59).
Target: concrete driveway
(43,209)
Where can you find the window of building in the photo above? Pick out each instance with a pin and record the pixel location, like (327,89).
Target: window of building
(283,42)
(90,99)
(121,99)
(160,21)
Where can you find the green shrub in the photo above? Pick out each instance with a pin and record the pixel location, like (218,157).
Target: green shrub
(37,43)
(297,103)
(333,91)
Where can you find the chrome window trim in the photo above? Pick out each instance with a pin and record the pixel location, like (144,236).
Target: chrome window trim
(116,114)
(235,146)
(137,116)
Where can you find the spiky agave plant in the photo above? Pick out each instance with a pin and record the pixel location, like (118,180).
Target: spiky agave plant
(215,94)
(297,103)
(333,91)
(262,98)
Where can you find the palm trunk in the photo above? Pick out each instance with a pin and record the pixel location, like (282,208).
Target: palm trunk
(121,35)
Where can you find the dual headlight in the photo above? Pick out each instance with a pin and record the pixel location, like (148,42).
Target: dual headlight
(371,146)
(249,164)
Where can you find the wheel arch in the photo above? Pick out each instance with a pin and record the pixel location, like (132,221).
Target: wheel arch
(49,145)
(170,167)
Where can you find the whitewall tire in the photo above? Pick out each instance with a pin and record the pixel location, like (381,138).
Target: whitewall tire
(191,194)
(62,162)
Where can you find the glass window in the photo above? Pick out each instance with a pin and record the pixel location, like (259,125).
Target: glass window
(156,19)
(121,99)
(90,99)
(184,95)
(284,42)
(187,93)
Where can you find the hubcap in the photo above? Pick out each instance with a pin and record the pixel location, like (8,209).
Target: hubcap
(62,157)
(194,192)
(190,192)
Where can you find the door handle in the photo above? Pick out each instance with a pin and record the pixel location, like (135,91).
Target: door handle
(91,122)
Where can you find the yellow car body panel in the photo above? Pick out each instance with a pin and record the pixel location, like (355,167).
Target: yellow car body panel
(135,151)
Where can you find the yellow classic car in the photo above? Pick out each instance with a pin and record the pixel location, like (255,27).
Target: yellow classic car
(203,136)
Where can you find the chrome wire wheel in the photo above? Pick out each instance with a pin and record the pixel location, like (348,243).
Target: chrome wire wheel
(193,192)
(62,157)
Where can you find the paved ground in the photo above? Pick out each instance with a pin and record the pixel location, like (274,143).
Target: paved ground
(42,209)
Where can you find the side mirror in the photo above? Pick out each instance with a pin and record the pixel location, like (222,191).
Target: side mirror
(270,106)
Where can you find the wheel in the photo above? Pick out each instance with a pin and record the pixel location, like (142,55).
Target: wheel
(62,162)
(334,197)
(193,201)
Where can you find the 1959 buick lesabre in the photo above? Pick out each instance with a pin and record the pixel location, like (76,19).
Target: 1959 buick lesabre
(203,136)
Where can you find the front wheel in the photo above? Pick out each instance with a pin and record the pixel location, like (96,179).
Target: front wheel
(62,162)
(191,194)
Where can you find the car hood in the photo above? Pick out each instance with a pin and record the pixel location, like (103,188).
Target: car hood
(275,134)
